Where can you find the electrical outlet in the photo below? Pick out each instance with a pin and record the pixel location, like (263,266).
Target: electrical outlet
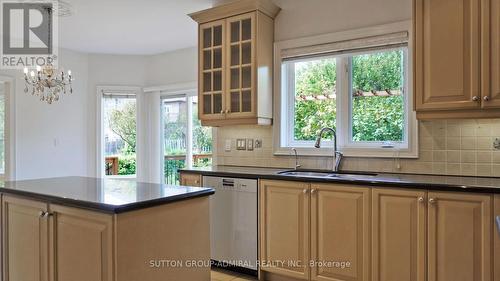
(227,146)
(249,144)
(496,144)
(241,144)
(258,143)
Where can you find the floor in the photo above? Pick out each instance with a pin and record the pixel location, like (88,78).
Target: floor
(222,275)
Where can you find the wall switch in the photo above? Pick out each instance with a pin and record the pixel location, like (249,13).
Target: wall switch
(241,144)
(249,144)
(258,143)
(227,146)
(496,144)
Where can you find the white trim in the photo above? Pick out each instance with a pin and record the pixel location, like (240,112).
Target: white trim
(173,88)
(281,111)
(100,172)
(10,127)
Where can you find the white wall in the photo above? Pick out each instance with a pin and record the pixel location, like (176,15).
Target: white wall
(51,139)
(173,67)
(60,139)
(299,18)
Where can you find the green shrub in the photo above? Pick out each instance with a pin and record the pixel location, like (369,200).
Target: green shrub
(127,164)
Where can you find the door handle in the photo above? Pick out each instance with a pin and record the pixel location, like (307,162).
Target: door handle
(498,223)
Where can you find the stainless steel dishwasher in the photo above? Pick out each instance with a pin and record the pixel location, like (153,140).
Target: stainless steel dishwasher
(233,222)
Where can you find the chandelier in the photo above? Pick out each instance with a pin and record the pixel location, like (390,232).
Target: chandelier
(47,83)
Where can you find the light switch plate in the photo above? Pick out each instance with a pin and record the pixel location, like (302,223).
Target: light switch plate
(258,143)
(496,144)
(249,144)
(227,146)
(241,144)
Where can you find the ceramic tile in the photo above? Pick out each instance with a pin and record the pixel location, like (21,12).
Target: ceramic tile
(468,157)
(484,143)
(468,143)
(453,156)
(461,146)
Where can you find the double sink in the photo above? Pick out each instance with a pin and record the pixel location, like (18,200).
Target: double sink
(324,174)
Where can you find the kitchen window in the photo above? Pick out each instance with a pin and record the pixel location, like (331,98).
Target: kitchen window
(359,87)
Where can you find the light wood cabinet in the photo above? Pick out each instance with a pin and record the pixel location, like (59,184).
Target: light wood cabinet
(25,240)
(496,239)
(285,225)
(398,235)
(459,237)
(48,242)
(491,54)
(188,179)
(340,232)
(386,234)
(235,63)
(81,245)
(456,58)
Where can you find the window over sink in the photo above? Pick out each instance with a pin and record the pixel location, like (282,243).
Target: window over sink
(359,87)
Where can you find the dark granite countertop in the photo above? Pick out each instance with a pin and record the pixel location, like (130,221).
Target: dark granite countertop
(430,182)
(104,195)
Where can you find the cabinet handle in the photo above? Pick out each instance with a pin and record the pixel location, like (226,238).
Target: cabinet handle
(432,201)
(313,190)
(222,112)
(196,181)
(486,98)
(228,111)
(475,98)
(498,224)
(305,190)
(44,214)
(420,199)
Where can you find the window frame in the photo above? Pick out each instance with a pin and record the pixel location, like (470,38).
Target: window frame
(189,94)
(130,90)
(283,111)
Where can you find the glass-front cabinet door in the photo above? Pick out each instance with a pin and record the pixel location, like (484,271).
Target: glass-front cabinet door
(240,101)
(212,61)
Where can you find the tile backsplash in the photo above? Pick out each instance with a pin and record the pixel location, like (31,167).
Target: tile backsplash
(451,147)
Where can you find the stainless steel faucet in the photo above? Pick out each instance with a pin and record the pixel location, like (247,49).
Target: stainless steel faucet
(297,165)
(336,154)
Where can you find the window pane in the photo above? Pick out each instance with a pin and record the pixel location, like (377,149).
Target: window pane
(177,124)
(119,134)
(174,114)
(315,95)
(202,140)
(377,99)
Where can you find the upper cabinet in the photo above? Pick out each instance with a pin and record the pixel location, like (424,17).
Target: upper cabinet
(456,58)
(235,63)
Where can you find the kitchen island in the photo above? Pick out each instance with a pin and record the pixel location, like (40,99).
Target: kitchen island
(79,228)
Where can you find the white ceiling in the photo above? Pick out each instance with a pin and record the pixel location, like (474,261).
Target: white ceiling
(138,27)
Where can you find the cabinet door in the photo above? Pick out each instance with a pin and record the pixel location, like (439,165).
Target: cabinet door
(284,227)
(241,61)
(399,231)
(211,75)
(340,232)
(190,179)
(459,237)
(491,54)
(25,240)
(447,57)
(81,245)
(496,239)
